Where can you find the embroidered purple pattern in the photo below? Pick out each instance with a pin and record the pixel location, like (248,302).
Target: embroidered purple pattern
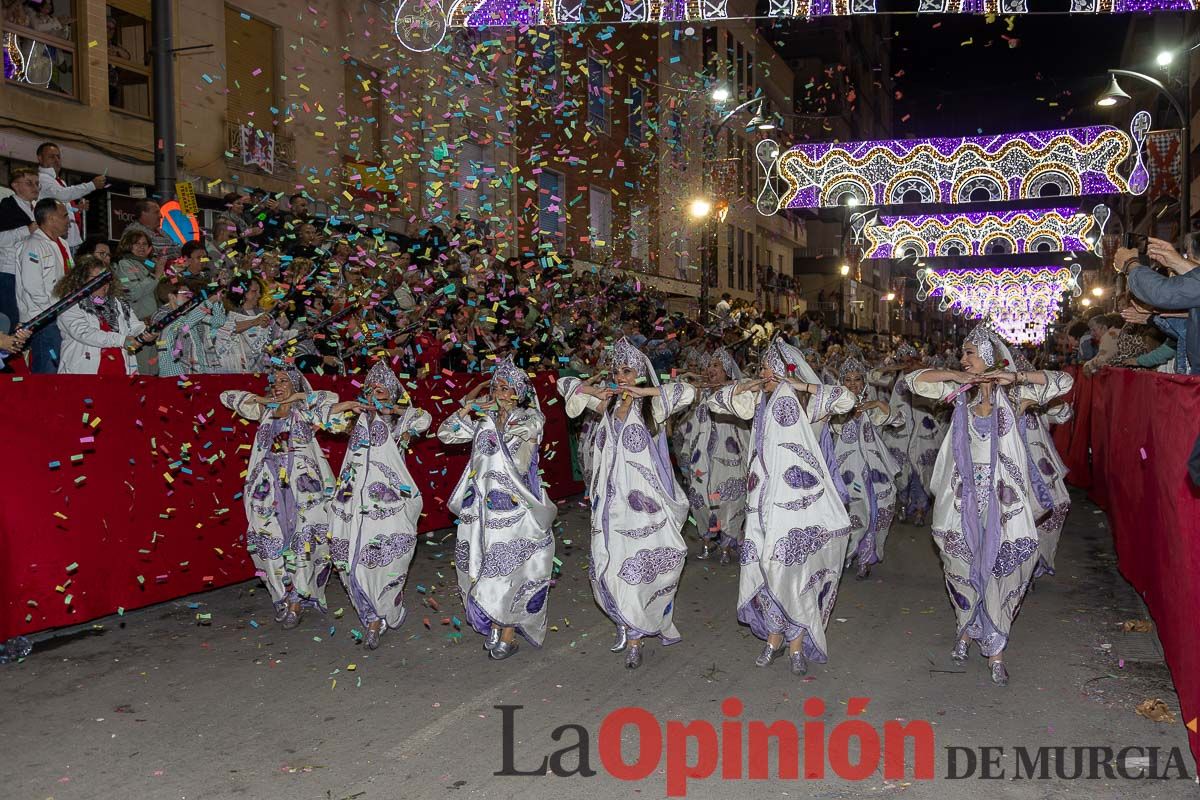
(500,523)
(1006,493)
(801,503)
(339,552)
(642,533)
(646,565)
(732,489)
(732,446)
(635,438)
(381,493)
(309,538)
(503,558)
(954,544)
(752,482)
(642,502)
(849,433)
(462,554)
(1012,555)
(663,592)
(500,501)
(802,451)
(488,443)
(305,482)
(815,578)
(1006,420)
(800,479)
(264,546)
(601,438)
(748,553)
(800,543)
(786,411)
(386,549)
(1045,467)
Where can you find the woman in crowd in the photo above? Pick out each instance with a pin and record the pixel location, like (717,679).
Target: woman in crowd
(241,342)
(984,512)
(288,484)
(796,529)
(712,451)
(868,470)
(100,332)
(376,503)
(183,341)
(505,549)
(638,506)
(138,275)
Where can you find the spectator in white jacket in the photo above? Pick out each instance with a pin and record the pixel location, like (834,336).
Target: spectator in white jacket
(44,262)
(50,185)
(100,332)
(16,223)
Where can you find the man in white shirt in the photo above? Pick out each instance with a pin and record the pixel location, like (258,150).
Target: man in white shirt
(723,307)
(16,224)
(50,185)
(44,261)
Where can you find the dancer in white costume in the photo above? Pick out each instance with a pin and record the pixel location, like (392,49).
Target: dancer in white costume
(796,529)
(638,506)
(504,555)
(288,484)
(712,451)
(867,468)
(376,504)
(984,512)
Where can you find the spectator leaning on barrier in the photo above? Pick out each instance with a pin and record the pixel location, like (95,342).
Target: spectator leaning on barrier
(1179,292)
(100,331)
(50,185)
(16,224)
(44,261)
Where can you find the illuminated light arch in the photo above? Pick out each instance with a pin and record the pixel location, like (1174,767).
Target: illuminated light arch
(981,179)
(1020,302)
(1052,174)
(848,184)
(1009,245)
(953,246)
(1089,157)
(1064,228)
(904,183)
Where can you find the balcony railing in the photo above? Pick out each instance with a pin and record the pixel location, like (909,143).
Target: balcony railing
(265,152)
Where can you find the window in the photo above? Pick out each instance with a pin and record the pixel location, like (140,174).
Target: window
(39,45)
(710,52)
(599,94)
(551,220)
(752,258)
(250,70)
(600,208)
(639,234)
(741,260)
(749,73)
(740,70)
(636,112)
(731,255)
(128,33)
(363,106)
(730,55)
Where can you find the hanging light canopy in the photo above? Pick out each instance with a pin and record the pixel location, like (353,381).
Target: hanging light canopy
(1114,95)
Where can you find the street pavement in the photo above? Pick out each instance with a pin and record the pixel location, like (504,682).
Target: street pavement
(154,705)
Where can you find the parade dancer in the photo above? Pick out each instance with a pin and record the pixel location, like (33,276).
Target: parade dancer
(638,506)
(505,549)
(797,529)
(984,512)
(867,468)
(288,482)
(376,503)
(914,438)
(712,450)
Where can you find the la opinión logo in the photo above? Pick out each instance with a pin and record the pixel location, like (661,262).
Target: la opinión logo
(853,749)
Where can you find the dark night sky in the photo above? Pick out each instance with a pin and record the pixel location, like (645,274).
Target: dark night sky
(990,86)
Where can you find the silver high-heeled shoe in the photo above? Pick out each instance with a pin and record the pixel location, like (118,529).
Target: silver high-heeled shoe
(291,619)
(633,658)
(724,560)
(492,639)
(622,640)
(799,663)
(768,655)
(864,571)
(705,553)
(999,673)
(959,654)
(371,640)
(280,612)
(503,650)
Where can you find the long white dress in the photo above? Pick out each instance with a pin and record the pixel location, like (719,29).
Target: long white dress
(869,473)
(984,523)
(587,435)
(374,514)
(638,512)
(713,460)
(504,554)
(1049,471)
(913,440)
(797,529)
(288,485)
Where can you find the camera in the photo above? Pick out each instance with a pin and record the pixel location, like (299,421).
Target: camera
(1137,241)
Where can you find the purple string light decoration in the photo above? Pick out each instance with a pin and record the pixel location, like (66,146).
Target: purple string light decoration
(1066,162)
(1019,302)
(1048,230)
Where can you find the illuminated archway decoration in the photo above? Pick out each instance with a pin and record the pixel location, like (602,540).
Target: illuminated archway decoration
(1041,230)
(1020,302)
(1077,161)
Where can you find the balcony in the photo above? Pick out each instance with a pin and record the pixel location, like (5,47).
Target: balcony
(261,152)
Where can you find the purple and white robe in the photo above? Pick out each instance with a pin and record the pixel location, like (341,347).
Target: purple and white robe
(869,473)
(374,513)
(797,528)
(288,485)
(504,554)
(913,439)
(587,435)
(1049,471)
(638,512)
(712,449)
(984,513)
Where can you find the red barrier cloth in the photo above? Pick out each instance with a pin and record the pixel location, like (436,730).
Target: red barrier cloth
(1073,438)
(123,492)
(1141,427)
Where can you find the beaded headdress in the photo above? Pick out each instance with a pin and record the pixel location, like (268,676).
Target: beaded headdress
(851,366)
(727,363)
(981,337)
(513,375)
(381,374)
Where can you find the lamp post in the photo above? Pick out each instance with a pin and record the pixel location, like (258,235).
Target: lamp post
(1115,96)
(708,234)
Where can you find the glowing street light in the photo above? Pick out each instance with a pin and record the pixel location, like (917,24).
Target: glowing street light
(845,270)
(1164,58)
(721,95)
(1085,302)
(1114,95)
(890,296)
(1098,291)
(700,208)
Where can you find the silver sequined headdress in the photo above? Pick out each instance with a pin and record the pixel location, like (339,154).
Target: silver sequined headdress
(513,375)
(783,358)
(981,337)
(381,374)
(727,363)
(625,354)
(852,366)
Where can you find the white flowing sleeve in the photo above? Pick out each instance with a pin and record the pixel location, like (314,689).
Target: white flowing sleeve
(242,404)
(1058,413)
(935,390)
(318,412)
(672,398)
(416,421)
(883,419)
(456,429)
(724,401)
(576,401)
(829,400)
(877,378)
(1057,384)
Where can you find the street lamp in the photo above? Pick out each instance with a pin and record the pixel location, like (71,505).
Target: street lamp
(1164,58)
(700,208)
(845,270)
(890,296)
(1098,291)
(721,95)
(1115,96)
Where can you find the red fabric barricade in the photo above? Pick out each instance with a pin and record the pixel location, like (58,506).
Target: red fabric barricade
(1073,438)
(1141,427)
(123,492)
